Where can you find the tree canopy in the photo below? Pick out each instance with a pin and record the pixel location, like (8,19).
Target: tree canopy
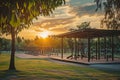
(83,25)
(19,13)
(112,13)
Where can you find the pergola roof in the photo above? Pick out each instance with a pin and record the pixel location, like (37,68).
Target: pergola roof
(90,33)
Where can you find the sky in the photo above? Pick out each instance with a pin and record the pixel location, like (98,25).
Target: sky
(65,17)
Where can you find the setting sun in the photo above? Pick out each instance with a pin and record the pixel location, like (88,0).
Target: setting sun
(44,34)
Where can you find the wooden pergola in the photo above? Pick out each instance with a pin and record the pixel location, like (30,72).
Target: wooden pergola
(90,34)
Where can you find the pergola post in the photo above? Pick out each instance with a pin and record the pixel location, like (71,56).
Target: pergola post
(89,55)
(105,47)
(96,50)
(75,49)
(62,48)
(99,48)
(112,45)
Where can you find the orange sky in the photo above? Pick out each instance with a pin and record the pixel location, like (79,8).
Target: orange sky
(65,17)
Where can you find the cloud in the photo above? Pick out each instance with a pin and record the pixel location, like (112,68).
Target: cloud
(86,9)
(68,16)
(53,23)
(39,29)
(28,34)
(67,0)
(59,30)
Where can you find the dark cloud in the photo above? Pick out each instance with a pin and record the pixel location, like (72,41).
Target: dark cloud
(86,9)
(38,30)
(51,23)
(59,30)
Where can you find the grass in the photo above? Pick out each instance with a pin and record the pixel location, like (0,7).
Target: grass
(43,69)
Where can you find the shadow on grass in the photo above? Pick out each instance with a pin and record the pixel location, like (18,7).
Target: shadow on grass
(22,75)
(12,74)
(114,69)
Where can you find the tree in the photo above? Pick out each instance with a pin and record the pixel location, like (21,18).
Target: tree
(15,15)
(112,13)
(84,25)
(19,40)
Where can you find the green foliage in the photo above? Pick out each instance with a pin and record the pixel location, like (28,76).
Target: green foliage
(112,13)
(5,44)
(84,25)
(19,40)
(20,13)
(48,42)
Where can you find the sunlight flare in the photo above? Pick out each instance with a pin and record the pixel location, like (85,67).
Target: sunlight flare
(44,34)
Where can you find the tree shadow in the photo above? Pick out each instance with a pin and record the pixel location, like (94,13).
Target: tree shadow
(113,71)
(6,74)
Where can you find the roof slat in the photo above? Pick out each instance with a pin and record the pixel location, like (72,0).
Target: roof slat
(92,33)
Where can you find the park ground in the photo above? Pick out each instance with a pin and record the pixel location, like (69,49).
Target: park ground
(47,69)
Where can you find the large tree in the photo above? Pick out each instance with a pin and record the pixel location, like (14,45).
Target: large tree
(112,13)
(16,15)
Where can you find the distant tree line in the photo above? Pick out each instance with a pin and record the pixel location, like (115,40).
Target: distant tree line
(24,44)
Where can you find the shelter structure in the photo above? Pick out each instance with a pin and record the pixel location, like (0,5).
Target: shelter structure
(91,34)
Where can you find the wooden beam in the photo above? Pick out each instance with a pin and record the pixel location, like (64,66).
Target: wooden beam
(112,45)
(99,48)
(96,50)
(105,47)
(89,55)
(90,32)
(75,49)
(62,48)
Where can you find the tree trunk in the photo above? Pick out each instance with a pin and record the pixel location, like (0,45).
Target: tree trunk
(12,58)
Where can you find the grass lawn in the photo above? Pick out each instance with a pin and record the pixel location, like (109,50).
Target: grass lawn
(43,69)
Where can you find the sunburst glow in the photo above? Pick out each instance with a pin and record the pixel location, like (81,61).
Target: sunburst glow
(44,34)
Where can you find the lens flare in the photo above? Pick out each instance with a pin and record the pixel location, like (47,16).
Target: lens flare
(44,34)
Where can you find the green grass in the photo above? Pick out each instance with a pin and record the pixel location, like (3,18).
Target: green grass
(43,69)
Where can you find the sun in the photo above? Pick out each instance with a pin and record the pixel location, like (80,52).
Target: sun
(44,34)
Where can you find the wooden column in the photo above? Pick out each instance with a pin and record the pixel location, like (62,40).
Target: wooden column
(62,48)
(89,55)
(112,45)
(98,47)
(105,47)
(96,50)
(75,49)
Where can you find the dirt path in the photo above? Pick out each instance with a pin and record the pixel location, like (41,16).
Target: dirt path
(22,55)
